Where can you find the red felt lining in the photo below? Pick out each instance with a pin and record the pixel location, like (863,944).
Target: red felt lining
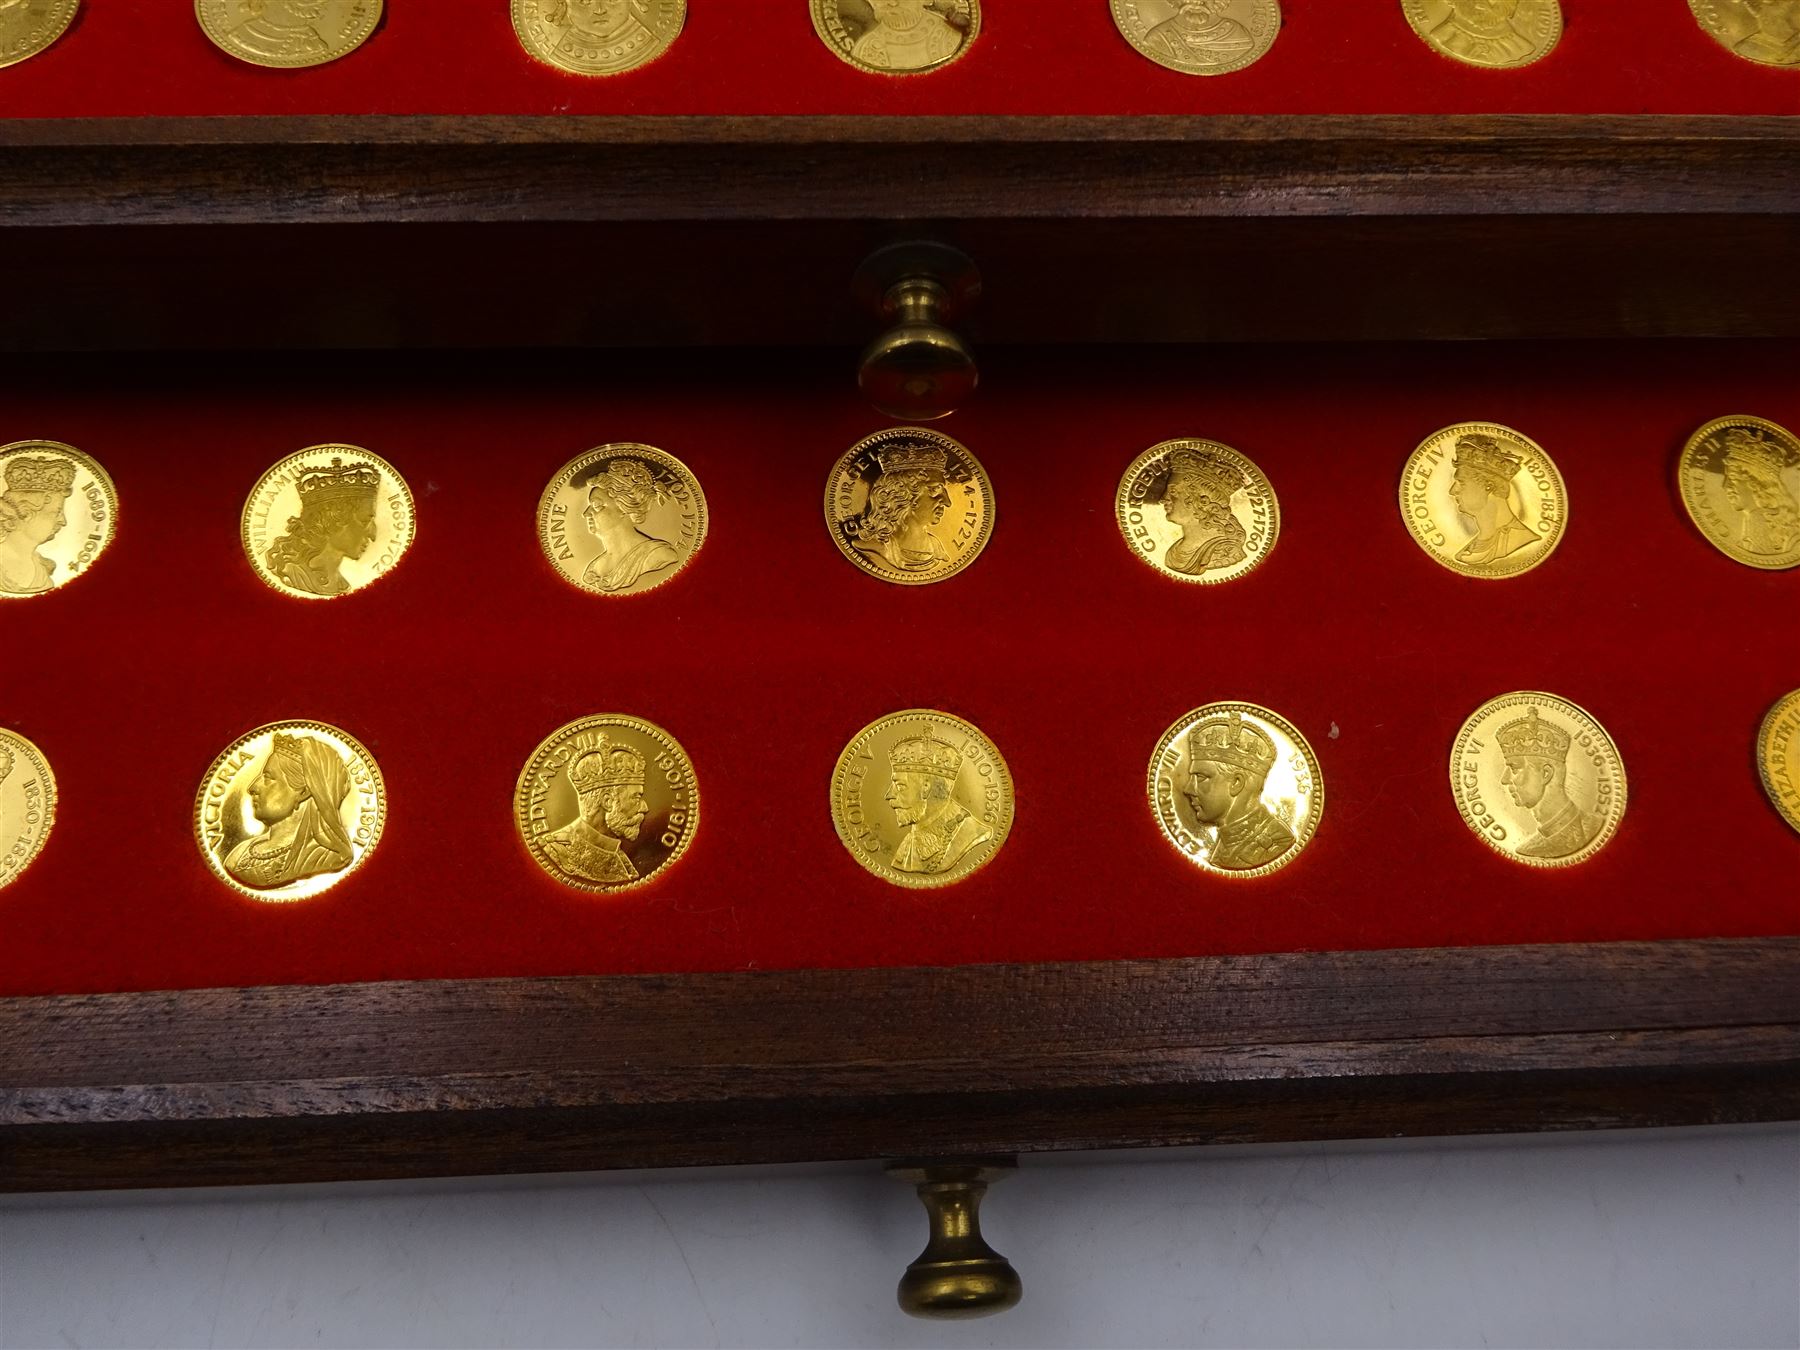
(143,57)
(771,651)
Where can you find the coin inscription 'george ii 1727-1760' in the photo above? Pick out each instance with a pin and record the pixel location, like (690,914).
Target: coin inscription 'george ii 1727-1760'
(1197,511)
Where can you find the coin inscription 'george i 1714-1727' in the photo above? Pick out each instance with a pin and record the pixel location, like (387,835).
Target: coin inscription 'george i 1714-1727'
(1484,500)
(897,37)
(27,27)
(1740,482)
(327,521)
(58,512)
(910,506)
(1200,37)
(622,519)
(598,37)
(27,804)
(1494,34)
(1197,511)
(1778,757)
(288,34)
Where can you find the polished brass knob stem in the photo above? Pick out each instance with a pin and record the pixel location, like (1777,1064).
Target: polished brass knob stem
(957,1275)
(920,369)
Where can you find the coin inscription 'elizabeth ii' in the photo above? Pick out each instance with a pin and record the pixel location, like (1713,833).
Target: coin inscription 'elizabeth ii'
(1778,757)
(58,512)
(1538,779)
(288,34)
(1200,37)
(1484,500)
(1495,34)
(327,521)
(598,37)
(910,506)
(1237,789)
(1197,511)
(622,519)
(27,804)
(1740,482)
(27,27)
(921,798)
(897,37)
(290,810)
(1764,31)
(607,803)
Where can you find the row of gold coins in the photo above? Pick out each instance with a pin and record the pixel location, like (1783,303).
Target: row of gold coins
(909,37)
(920,798)
(908,505)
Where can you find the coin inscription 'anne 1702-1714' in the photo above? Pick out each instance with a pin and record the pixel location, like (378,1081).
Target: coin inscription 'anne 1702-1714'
(1764,31)
(622,519)
(598,37)
(27,804)
(1538,779)
(1236,789)
(1740,482)
(910,506)
(289,810)
(1198,511)
(897,37)
(27,27)
(1778,757)
(1200,37)
(922,798)
(607,802)
(288,34)
(58,512)
(1484,500)
(1495,34)
(327,521)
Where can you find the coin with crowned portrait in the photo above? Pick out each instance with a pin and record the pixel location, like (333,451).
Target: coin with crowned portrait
(607,803)
(288,34)
(1764,31)
(897,37)
(326,521)
(1200,37)
(58,512)
(622,519)
(1236,789)
(27,804)
(1484,500)
(597,37)
(289,810)
(910,506)
(27,27)
(1196,510)
(1538,779)
(922,798)
(1740,482)
(1778,757)
(1492,34)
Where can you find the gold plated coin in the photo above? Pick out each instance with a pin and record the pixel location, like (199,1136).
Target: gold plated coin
(1484,500)
(897,37)
(1740,481)
(1538,779)
(622,519)
(1778,757)
(27,27)
(1764,31)
(1200,37)
(288,34)
(327,521)
(598,37)
(1236,789)
(922,798)
(910,506)
(58,512)
(607,803)
(289,810)
(1492,34)
(27,804)
(1198,511)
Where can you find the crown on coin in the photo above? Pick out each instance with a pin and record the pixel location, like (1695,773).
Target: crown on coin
(1232,740)
(41,475)
(359,480)
(926,754)
(607,764)
(288,747)
(1530,735)
(1488,457)
(912,457)
(1752,451)
(1200,468)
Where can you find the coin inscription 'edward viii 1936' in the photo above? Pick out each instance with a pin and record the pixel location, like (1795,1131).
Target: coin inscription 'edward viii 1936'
(58,512)
(1197,511)
(328,521)
(27,804)
(1484,500)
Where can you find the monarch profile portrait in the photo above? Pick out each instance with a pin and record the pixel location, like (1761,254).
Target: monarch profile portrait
(299,798)
(1200,33)
(1481,485)
(32,513)
(903,34)
(1536,777)
(940,830)
(619,504)
(608,779)
(280,30)
(336,521)
(1756,482)
(1198,499)
(1229,761)
(907,498)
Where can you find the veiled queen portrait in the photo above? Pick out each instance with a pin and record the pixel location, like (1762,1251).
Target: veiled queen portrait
(299,797)
(337,521)
(1537,778)
(280,30)
(620,500)
(1487,499)
(608,779)
(905,35)
(1760,486)
(32,513)
(940,829)
(908,498)
(1197,499)
(1229,760)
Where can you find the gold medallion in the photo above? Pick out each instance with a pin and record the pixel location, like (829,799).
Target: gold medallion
(327,521)
(1200,37)
(622,519)
(1484,500)
(607,803)
(1492,34)
(597,37)
(288,34)
(58,512)
(27,27)
(1198,511)
(897,37)
(910,506)
(27,804)
(1236,789)
(1740,481)
(289,810)
(1538,779)
(1778,756)
(921,798)
(1764,31)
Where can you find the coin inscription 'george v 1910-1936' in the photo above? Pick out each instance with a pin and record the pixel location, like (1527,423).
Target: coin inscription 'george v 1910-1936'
(27,27)
(897,37)
(607,802)
(1764,31)
(1778,757)
(1494,34)
(922,798)
(288,34)
(598,37)
(58,512)
(327,521)
(910,506)
(1236,789)
(1198,511)
(1740,482)
(1484,500)
(1200,37)
(289,810)
(27,804)
(622,519)
(1538,779)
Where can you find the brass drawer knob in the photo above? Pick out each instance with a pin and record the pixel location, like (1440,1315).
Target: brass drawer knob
(958,1274)
(919,369)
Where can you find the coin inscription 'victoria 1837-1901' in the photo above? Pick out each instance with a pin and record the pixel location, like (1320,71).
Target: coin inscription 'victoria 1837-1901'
(1778,757)
(1493,34)
(910,506)
(897,37)
(27,27)
(1484,500)
(1740,482)
(27,804)
(1200,37)
(288,34)
(58,512)
(622,519)
(1198,511)
(598,37)
(327,521)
